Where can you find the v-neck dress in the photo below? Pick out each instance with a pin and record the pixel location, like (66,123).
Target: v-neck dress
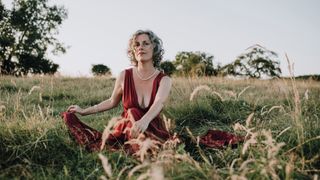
(132,111)
(92,139)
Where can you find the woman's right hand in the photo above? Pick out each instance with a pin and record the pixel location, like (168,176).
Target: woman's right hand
(75,109)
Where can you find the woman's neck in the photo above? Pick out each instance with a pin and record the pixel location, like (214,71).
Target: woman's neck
(145,71)
(145,68)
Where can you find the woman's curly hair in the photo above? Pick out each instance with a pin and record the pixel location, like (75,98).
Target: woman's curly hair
(157,50)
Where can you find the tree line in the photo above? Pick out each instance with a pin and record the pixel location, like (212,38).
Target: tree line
(27,36)
(256,62)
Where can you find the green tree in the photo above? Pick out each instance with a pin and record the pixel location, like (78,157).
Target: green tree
(257,62)
(100,69)
(167,67)
(194,64)
(27,35)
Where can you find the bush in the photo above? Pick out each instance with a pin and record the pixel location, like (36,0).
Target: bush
(100,70)
(167,67)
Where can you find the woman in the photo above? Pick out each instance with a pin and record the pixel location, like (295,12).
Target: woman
(143,90)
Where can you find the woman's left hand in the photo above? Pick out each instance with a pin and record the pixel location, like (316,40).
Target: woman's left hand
(139,127)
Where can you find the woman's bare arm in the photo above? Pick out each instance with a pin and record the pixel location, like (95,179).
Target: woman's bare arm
(110,103)
(156,107)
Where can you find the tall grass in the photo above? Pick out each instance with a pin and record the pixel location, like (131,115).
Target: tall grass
(279,118)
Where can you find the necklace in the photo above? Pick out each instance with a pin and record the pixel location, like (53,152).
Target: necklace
(147,78)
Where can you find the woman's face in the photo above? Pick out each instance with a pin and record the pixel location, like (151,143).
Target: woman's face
(143,48)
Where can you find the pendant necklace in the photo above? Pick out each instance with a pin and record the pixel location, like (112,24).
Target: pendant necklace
(147,78)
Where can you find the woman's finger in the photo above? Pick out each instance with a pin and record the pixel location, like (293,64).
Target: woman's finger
(72,108)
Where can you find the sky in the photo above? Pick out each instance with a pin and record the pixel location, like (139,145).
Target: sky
(97,31)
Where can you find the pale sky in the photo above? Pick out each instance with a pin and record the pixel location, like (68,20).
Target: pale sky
(98,31)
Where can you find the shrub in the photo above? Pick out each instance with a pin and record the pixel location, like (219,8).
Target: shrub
(100,69)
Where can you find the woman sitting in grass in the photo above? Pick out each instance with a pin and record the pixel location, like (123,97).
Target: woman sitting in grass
(143,90)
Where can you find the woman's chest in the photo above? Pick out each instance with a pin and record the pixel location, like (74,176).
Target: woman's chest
(143,92)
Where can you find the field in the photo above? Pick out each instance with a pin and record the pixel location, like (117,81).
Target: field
(280,119)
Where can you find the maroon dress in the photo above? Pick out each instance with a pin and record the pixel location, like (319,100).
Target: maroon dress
(91,138)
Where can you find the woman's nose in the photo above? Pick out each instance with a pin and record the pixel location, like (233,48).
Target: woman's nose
(141,46)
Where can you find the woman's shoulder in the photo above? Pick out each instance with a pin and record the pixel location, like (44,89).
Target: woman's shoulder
(121,75)
(165,79)
(124,71)
(163,74)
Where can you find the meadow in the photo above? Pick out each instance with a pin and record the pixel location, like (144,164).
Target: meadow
(279,118)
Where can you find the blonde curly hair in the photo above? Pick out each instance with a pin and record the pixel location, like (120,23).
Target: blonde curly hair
(157,50)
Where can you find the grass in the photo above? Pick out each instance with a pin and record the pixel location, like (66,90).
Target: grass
(280,119)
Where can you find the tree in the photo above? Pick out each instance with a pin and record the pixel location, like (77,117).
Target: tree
(194,64)
(100,69)
(27,34)
(167,67)
(257,62)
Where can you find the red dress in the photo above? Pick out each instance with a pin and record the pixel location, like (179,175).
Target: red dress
(92,138)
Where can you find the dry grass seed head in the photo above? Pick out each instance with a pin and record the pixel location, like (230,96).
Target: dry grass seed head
(146,146)
(171,143)
(168,123)
(137,168)
(248,120)
(187,158)
(231,169)
(156,172)
(33,89)
(276,107)
(244,165)
(270,169)
(290,166)
(273,147)
(122,171)
(283,131)
(13,82)
(252,140)
(166,155)
(102,177)
(237,177)
(107,130)
(218,94)
(306,94)
(144,175)
(105,164)
(244,169)
(197,89)
(238,127)
(243,91)
(230,93)
(315,177)
(41,113)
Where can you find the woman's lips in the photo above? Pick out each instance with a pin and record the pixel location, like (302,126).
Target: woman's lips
(141,53)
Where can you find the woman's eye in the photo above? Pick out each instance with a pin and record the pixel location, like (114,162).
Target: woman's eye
(136,45)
